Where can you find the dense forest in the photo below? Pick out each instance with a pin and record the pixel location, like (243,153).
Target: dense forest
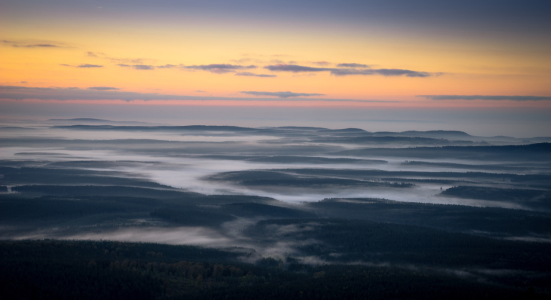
(272,213)
(51,269)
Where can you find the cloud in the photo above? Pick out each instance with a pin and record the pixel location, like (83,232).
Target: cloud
(352,65)
(345,72)
(82,66)
(280,94)
(321,63)
(73,93)
(383,72)
(30,45)
(89,66)
(348,71)
(254,75)
(400,72)
(127,60)
(95,54)
(167,66)
(480,97)
(295,68)
(103,88)
(220,68)
(143,67)
(137,67)
(39,46)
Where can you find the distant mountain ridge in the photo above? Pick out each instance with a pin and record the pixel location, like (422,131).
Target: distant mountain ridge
(94,120)
(81,119)
(429,133)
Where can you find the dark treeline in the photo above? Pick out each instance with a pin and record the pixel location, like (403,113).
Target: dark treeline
(112,270)
(529,198)
(271,178)
(378,140)
(255,210)
(544,178)
(494,167)
(99,190)
(192,216)
(489,221)
(296,159)
(531,152)
(42,175)
(338,240)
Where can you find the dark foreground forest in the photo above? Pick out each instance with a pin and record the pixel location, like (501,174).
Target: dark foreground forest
(51,269)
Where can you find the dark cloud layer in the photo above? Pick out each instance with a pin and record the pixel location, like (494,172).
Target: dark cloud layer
(352,65)
(137,67)
(30,45)
(108,93)
(295,68)
(348,70)
(102,88)
(254,75)
(383,72)
(219,68)
(89,66)
(143,67)
(481,97)
(39,46)
(167,66)
(280,94)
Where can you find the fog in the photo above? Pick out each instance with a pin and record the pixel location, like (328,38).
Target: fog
(175,158)
(288,168)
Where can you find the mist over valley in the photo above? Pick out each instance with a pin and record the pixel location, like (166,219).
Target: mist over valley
(284,200)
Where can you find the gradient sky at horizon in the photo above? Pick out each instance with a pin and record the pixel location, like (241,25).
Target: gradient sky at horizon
(309,54)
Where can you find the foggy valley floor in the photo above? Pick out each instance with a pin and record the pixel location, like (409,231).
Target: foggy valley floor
(89,209)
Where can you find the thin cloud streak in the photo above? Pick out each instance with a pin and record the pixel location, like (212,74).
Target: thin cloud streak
(352,65)
(103,88)
(487,97)
(383,72)
(16,44)
(167,66)
(82,66)
(137,67)
(249,74)
(61,94)
(220,68)
(280,94)
(349,71)
(89,66)
(295,68)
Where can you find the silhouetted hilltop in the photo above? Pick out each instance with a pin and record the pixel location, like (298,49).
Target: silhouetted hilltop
(156,128)
(428,134)
(530,152)
(80,119)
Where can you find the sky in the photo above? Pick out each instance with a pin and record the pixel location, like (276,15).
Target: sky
(424,61)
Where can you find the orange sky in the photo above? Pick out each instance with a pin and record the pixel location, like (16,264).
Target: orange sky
(456,65)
